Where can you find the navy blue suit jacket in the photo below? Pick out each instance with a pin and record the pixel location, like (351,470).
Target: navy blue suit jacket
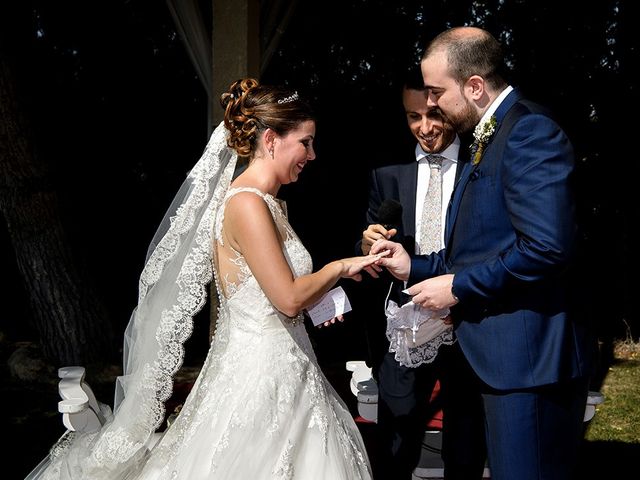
(509,239)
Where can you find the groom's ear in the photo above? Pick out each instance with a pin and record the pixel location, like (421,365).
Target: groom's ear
(474,87)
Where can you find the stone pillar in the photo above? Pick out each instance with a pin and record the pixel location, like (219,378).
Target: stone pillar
(236,46)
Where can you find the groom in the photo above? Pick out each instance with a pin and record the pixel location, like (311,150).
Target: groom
(507,263)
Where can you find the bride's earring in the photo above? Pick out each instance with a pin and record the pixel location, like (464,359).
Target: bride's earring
(271,152)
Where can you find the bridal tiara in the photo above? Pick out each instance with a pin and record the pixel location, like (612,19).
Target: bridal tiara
(294,96)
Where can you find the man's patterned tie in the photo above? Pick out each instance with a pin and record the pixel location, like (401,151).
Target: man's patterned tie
(431,226)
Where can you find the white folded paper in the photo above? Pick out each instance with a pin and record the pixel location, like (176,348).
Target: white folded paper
(335,302)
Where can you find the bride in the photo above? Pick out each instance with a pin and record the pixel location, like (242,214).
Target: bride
(261,407)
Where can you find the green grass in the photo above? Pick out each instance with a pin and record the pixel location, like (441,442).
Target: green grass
(617,419)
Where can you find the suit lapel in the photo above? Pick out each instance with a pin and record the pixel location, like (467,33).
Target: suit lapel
(452,209)
(407,193)
(505,106)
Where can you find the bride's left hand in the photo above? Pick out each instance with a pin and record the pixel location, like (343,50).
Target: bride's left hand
(340,318)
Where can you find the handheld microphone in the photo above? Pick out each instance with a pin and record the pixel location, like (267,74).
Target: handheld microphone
(390,214)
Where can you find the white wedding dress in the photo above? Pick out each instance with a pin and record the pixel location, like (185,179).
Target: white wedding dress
(261,408)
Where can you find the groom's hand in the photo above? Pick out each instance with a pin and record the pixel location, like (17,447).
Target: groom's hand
(397,262)
(433,293)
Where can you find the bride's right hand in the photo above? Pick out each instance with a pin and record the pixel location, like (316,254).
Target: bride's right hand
(351,267)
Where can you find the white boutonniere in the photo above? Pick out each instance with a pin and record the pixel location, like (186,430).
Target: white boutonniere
(481,136)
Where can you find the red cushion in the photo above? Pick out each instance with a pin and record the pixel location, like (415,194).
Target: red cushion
(436,420)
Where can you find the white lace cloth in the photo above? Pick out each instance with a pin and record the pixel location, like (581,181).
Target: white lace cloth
(261,407)
(415,334)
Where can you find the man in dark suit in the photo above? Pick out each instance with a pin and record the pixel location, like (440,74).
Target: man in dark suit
(404,390)
(506,268)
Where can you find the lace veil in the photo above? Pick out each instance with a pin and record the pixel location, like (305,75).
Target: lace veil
(172,289)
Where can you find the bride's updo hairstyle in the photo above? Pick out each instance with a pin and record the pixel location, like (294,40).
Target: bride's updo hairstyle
(251,108)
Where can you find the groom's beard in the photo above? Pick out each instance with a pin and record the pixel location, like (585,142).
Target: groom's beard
(465,119)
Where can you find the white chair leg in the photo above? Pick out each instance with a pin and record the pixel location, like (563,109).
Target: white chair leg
(593,399)
(80,410)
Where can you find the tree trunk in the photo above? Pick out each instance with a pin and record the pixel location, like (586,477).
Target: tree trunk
(70,319)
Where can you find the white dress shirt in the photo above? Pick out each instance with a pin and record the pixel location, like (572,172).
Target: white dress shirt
(496,103)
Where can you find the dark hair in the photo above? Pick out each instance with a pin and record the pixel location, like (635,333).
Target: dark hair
(251,108)
(413,78)
(470,51)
